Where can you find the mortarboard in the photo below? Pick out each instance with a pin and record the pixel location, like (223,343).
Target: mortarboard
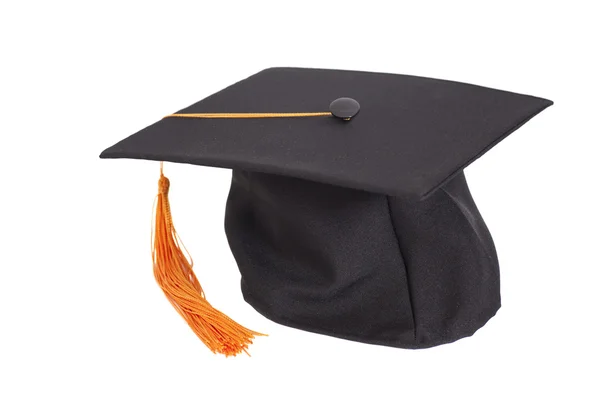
(349,214)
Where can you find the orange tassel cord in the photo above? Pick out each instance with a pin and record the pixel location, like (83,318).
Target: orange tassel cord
(175,276)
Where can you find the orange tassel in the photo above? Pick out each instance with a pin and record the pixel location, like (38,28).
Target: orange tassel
(174,274)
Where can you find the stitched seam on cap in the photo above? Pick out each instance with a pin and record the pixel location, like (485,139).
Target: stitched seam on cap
(406,274)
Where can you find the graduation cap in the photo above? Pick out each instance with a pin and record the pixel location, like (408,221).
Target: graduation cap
(349,214)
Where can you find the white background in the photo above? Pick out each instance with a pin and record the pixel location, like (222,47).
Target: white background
(80,313)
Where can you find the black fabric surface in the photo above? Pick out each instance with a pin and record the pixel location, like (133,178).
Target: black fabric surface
(363,266)
(411,135)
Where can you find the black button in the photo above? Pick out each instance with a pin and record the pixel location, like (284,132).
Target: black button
(344,108)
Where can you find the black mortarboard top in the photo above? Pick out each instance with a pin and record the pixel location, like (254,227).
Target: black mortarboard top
(349,213)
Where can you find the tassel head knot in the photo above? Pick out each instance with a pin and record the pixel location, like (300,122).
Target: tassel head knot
(163,185)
